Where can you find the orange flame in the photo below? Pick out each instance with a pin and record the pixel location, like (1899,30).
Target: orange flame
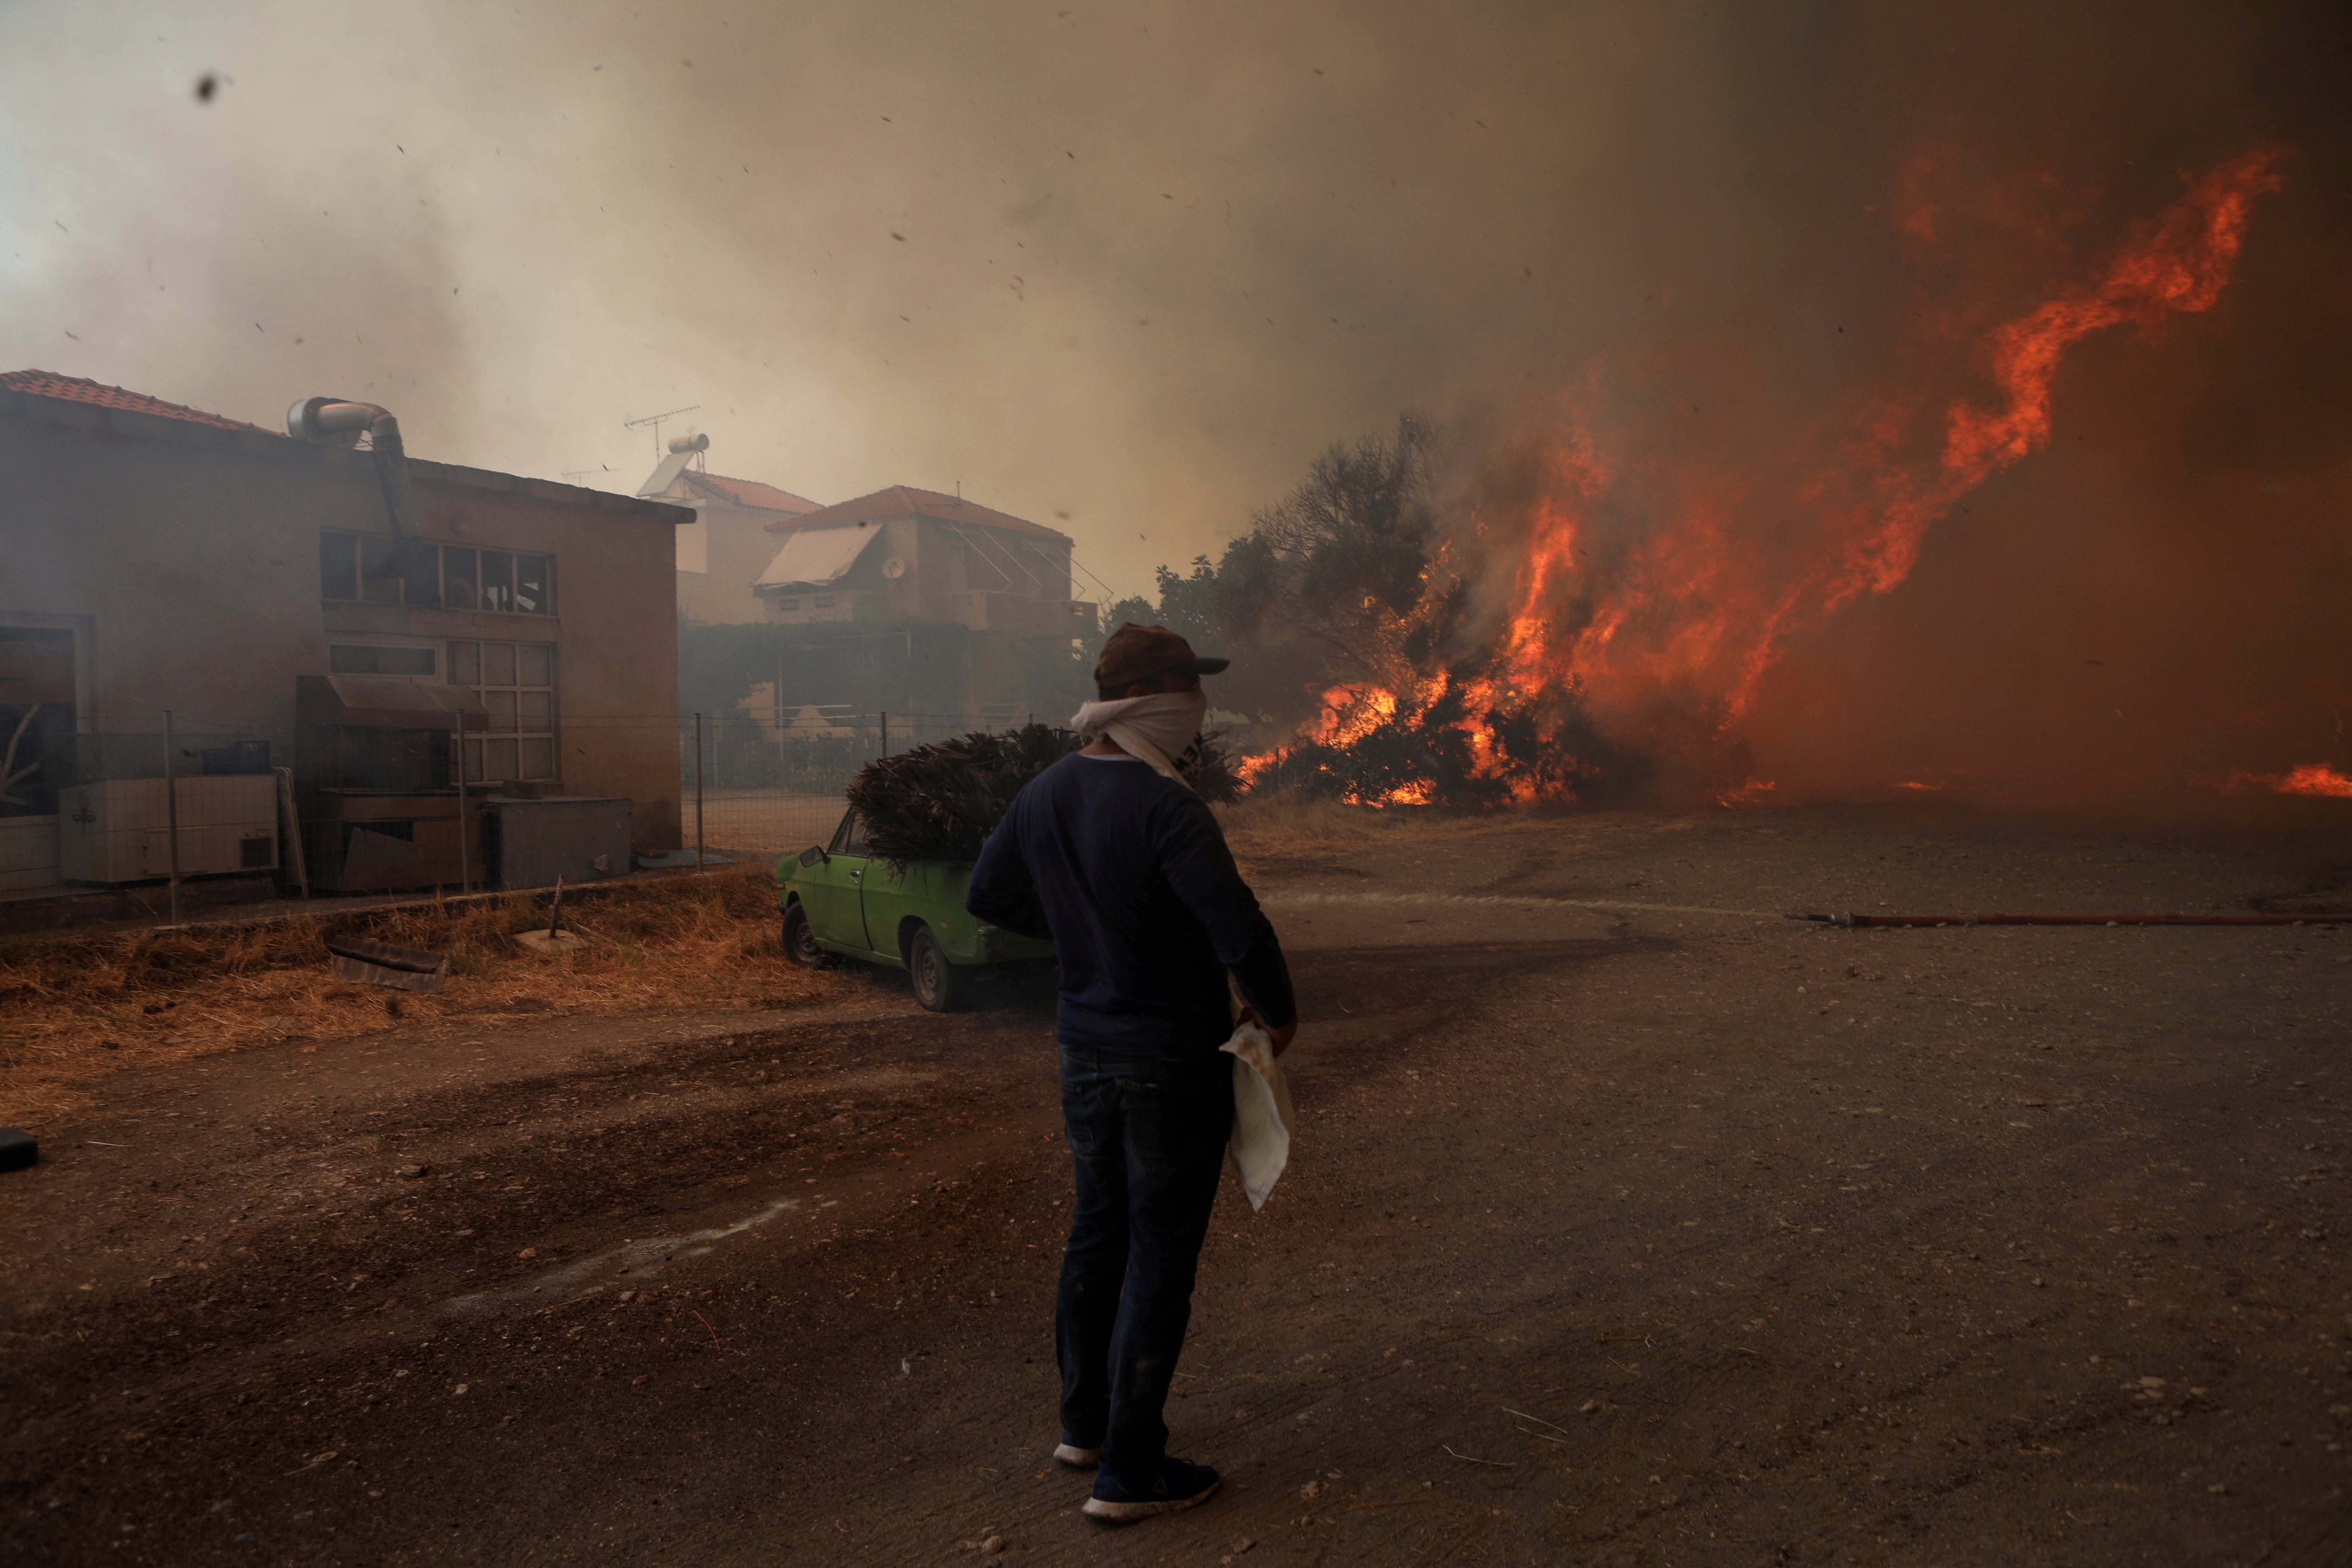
(2312,778)
(1705,599)
(1728,562)
(1752,791)
(2316,778)
(1350,714)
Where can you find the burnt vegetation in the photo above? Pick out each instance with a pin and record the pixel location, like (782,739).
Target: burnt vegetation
(1349,614)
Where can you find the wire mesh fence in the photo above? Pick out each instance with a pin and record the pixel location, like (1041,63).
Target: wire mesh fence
(324,808)
(318,808)
(775,785)
(102,810)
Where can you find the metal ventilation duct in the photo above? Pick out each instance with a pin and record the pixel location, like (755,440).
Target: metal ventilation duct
(338,421)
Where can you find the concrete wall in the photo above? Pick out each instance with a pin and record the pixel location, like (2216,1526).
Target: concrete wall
(187,558)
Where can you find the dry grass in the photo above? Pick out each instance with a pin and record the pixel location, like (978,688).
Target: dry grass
(72,1009)
(1281,834)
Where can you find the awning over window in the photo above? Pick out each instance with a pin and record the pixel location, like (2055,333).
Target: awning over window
(818,557)
(387,702)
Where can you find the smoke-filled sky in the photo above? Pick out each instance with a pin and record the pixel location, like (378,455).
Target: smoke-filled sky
(1121,267)
(1131,262)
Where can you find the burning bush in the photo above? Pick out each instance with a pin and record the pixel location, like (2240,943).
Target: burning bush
(1452,739)
(1585,611)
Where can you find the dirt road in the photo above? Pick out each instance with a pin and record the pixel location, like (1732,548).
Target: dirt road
(1629,1224)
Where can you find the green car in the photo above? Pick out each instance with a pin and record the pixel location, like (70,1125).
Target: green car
(843,899)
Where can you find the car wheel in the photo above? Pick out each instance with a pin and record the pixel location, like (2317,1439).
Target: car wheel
(800,939)
(939,986)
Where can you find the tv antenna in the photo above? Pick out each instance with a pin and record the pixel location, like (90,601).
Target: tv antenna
(655,421)
(573,474)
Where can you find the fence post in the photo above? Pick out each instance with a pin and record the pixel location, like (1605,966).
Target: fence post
(172,808)
(885,733)
(700,865)
(465,860)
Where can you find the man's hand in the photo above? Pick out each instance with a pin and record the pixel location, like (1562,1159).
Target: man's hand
(1281,1036)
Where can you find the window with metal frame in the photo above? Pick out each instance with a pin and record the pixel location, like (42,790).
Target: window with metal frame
(516,682)
(508,582)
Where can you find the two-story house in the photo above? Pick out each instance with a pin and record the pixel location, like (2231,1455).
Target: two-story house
(722,552)
(991,594)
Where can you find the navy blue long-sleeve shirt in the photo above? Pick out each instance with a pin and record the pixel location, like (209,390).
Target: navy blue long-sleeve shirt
(1127,872)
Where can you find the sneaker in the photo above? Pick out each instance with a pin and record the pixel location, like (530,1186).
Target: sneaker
(1180,1484)
(1072,1456)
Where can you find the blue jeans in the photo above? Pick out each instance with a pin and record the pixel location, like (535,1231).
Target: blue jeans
(1147,1142)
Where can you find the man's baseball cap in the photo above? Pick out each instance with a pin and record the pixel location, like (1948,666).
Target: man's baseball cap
(1134,653)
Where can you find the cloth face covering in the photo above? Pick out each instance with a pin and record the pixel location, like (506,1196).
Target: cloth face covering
(1163,729)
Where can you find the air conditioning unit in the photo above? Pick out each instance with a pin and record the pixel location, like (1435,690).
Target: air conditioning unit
(119,830)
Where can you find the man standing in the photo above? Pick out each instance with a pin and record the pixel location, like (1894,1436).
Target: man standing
(1111,854)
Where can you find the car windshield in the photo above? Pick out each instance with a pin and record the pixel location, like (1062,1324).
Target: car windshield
(850,838)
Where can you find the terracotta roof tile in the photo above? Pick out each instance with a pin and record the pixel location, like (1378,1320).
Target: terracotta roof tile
(76,389)
(906,500)
(750,492)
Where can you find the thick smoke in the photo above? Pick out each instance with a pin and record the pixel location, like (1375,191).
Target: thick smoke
(1135,264)
(235,254)
(2152,602)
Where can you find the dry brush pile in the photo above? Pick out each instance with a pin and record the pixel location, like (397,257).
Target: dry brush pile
(942,801)
(72,1008)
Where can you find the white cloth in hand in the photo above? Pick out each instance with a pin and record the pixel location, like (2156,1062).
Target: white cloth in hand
(1262,1119)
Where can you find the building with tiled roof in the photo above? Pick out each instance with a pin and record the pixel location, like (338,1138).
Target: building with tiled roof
(750,493)
(722,553)
(963,611)
(388,644)
(79,389)
(903,553)
(906,500)
(937,609)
